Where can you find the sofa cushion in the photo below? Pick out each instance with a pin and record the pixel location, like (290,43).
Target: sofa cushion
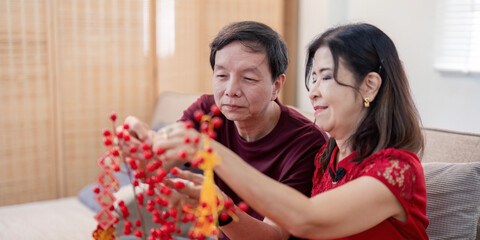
(450,146)
(453,199)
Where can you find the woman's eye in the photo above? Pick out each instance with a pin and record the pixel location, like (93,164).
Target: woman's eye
(326,78)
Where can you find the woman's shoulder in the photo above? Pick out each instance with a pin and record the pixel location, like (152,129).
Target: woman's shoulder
(394,154)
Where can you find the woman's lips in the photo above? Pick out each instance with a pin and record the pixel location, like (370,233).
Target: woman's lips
(319,109)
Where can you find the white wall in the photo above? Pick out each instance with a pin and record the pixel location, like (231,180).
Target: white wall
(448,101)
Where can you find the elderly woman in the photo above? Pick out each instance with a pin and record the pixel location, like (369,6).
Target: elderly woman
(368,181)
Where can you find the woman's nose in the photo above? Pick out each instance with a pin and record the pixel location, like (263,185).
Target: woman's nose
(313,92)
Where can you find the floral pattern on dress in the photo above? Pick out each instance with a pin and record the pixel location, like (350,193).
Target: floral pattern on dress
(391,166)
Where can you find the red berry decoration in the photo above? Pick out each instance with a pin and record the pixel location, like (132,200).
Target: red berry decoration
(137,233)
(116,168)
(96,190)
(150,192)
(242,206)
(120,134)
(188,124)
(182,154)
(174,171)
(224,216)
(212,134)
(160,151)
(126,126)
(197,161)
(133,149)
(166,190)
(179,185)
(127,224)
(148,154)
(107,141)
(145,146)
(115,152)
(215,110)
(198,115)
(106,133)
(217,122)
(204,127)
(113,117)
(138,223)
(228,203)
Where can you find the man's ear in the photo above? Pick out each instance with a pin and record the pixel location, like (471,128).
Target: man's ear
(371,85)
(277,85)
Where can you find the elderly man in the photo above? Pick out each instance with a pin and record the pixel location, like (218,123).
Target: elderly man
(249,61)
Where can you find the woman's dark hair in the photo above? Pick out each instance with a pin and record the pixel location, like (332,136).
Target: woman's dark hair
(392,119)
(258,37)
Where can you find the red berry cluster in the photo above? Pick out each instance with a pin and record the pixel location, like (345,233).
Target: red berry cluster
(145,165)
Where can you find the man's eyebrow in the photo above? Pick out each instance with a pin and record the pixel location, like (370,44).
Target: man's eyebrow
(248,69)
(252,69)
(219,67)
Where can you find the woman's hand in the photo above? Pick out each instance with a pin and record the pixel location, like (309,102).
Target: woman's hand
(185,189)
(178,144)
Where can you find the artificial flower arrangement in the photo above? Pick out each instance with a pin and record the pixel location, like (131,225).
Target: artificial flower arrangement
(205,217)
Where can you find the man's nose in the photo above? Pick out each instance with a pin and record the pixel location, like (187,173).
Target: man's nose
(233,87)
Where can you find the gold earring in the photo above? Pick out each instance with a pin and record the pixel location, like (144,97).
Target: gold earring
(366,102)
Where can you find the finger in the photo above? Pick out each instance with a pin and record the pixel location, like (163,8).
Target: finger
(189,189)
(197,179)
(190,201)
(137,128)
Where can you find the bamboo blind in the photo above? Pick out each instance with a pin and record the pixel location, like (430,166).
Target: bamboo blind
(64,66)
(104,67)
(26,124)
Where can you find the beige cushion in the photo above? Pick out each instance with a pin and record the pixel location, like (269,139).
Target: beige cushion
(451,146)
(170,106)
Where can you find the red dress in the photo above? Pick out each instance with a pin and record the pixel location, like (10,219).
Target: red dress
(401,171)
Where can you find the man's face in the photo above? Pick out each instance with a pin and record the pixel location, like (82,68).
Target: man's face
(242,83)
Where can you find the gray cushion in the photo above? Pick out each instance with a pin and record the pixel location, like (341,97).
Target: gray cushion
(453,199)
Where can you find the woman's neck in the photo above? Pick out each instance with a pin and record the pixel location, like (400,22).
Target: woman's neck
(259,127)
(344,149)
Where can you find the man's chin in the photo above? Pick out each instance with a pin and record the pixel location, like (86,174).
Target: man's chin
(234,116)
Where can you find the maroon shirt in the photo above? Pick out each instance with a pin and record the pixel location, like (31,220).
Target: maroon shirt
(286,154)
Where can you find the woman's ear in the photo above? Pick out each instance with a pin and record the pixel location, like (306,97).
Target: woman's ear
(277,85)
(371,85)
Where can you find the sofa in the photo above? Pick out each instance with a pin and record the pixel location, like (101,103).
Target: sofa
(451,164)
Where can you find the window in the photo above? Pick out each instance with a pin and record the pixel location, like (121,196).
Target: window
(460,37)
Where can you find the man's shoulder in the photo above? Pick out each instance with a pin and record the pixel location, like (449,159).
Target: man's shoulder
(298,121)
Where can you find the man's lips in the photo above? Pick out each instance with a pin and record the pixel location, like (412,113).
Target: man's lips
(231,106)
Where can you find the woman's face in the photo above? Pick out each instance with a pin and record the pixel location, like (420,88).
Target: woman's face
(338,109)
